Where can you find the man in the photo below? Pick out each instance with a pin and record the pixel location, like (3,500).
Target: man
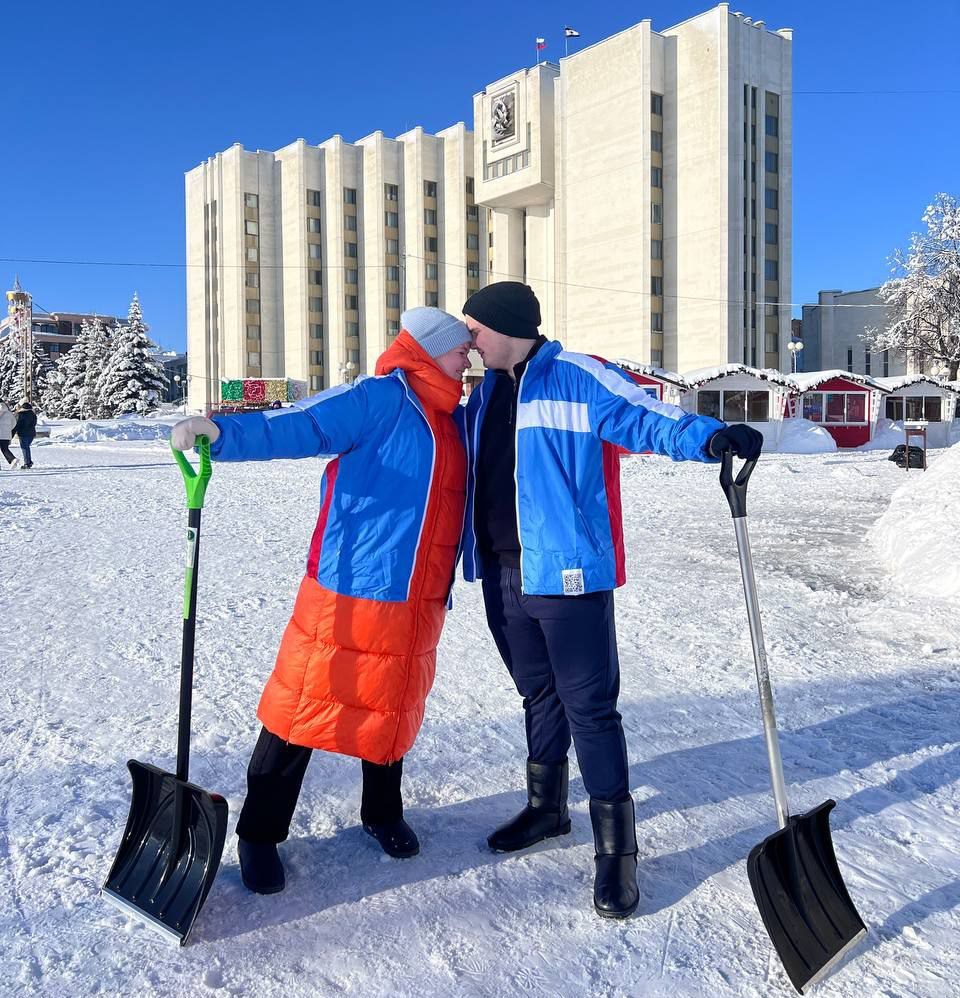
(543,532)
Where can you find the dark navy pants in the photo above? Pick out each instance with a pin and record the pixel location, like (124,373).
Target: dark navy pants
(562,655)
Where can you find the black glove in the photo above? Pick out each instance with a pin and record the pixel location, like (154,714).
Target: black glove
(743,440)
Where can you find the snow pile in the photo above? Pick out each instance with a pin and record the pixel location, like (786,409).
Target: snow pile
(95,431)
(802,436)
(915,536)
(887,436)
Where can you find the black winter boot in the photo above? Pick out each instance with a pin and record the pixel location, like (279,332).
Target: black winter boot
(615,893)
(260,867)
(396,838)
(545,815)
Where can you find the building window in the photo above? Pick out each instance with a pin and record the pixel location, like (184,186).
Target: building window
(931,409)
(393,246)
(431,271)
(351,303)
(850,359)
(468,185)
(353,329)
(708,404)
(772,125)
(354,355)
(473,213)
(251,200)
(316,382)
(770,307)
(349,195)
(771,270)
(656,286)
(252,254)
(772,342)
(886,363)
(253,305)
(772,162)
(656,322)
(391,192)
(772,198)
(656,249)
(656,141)
(316,277)
(656,213)
(770,233)
(313,224)
(350,223)
(316,330)
(393,273)
(252,279)
(656,358)
(393,299)
(656,103)
(350,250)
(866,361)
(316,358)
(758,407)
(429,216)
(313,251)
(429,188)
(393,327)
(391,219)
(253,358)
(473,241)
(430,244)
(433,298)
(351,276)
(313,198)
(251,227)
(473,270)
(656,176)
(253,332)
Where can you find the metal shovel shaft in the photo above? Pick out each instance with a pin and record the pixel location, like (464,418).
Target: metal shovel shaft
(763,674)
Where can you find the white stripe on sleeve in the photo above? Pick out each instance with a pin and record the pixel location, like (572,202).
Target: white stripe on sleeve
(617,385)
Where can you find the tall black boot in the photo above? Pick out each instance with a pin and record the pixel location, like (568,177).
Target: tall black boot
(381,810)
(615,893)
(545,815)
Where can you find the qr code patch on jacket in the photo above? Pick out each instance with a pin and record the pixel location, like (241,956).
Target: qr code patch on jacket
(572,581)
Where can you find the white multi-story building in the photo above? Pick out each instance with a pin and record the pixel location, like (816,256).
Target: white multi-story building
(642,187)
(300,261)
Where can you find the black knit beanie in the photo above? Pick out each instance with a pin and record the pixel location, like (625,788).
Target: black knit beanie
(507,307)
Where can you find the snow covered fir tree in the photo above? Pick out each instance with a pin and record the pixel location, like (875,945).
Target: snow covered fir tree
(924,294)
(107,373)
(11,371)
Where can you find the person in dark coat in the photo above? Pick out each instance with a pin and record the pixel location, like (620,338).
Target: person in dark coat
(26,430)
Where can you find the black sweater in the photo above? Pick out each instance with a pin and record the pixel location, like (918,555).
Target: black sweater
(495,510)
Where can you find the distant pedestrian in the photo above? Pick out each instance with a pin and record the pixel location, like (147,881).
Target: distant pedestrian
(7,423)
(26,430)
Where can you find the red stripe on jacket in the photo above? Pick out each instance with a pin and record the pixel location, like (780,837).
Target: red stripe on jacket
(313,559)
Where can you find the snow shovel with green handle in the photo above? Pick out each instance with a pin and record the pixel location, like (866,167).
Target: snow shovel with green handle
(794,875)
(170,851)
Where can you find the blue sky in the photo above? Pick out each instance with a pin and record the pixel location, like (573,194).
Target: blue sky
(108,104)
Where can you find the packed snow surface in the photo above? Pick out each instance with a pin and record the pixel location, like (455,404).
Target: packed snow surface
(865,671)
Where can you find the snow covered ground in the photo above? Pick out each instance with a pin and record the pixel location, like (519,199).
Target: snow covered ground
(868,692)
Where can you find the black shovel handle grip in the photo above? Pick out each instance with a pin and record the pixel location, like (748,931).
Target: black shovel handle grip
(735,489)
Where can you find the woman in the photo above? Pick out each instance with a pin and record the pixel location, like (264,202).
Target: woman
(7,423)
(357,659)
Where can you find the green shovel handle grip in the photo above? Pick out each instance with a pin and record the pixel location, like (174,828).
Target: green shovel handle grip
(195,481)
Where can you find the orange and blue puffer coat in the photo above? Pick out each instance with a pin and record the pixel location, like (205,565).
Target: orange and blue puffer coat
(358,657)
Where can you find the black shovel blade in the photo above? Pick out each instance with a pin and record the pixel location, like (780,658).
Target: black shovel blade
(802,898)
(167,861)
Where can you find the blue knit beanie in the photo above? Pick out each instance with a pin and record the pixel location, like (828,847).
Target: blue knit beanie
(435,330)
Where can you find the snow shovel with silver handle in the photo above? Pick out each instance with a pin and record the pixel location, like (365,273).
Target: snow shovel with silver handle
(170,851)
(794,875)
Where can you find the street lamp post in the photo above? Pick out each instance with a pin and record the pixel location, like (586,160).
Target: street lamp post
(794,346)
(180,387)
